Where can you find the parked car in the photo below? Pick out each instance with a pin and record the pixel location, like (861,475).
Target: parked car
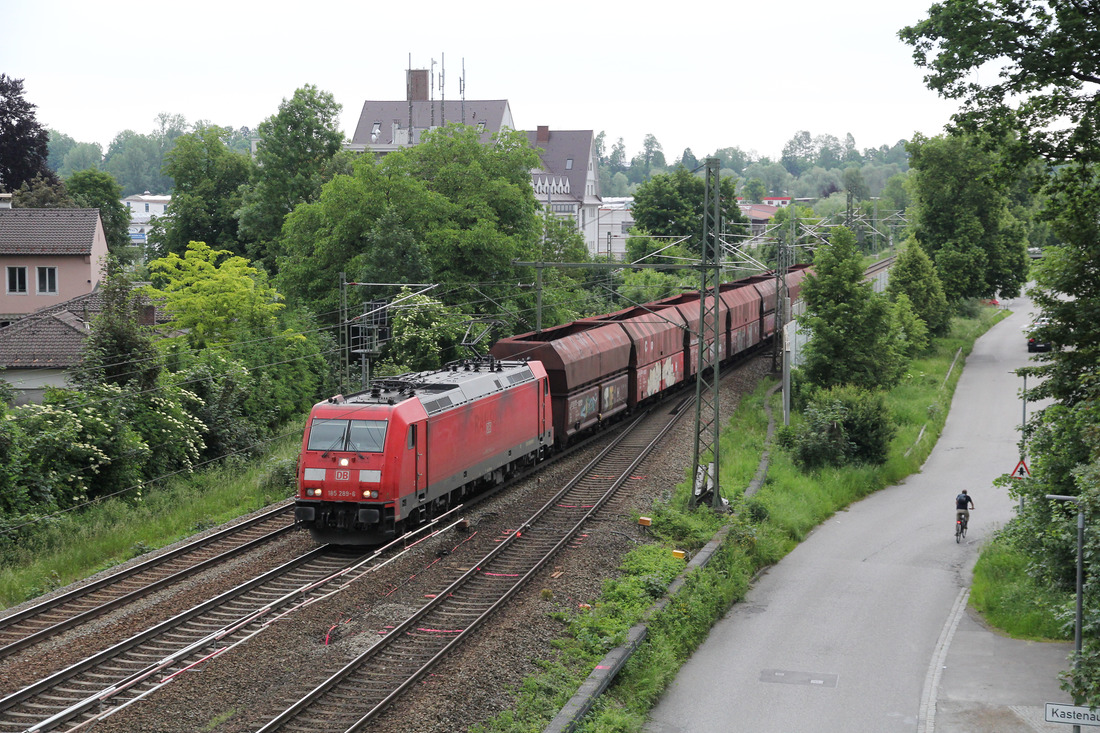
(1035,342)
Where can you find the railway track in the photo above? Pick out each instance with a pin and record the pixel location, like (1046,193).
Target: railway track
(362,689)
(77,697)
(80,605)
(129,669)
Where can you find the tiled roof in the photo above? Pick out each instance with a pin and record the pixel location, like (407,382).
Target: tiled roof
(53,340)
(53,337)
(563,145)
(47,231)
(492,112)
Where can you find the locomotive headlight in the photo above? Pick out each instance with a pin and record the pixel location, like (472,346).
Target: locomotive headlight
(370,494)
(343,461)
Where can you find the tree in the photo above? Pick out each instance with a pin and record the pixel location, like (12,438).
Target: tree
(43,193)
(120,349)
(426,335)
(297,145)
(60,144)
(777,181)
(855,185)
(798,153)
(855,339)
(671,205)
(754,190)
(617,161)
(816,183)
(208,178)
(1044,102)
(913,329)
(688,160)
(94,189)
(213,302)
(961,215)
(830,153)
(81,156)
(468,207)
(914,276)
(24,143)
(1046,88)
(135,161)
(734,159)
(652,154)
(600,145)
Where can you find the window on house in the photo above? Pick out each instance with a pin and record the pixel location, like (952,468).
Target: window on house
(47,281)
(568,164)
(147,208)
(17,280)
(481,127)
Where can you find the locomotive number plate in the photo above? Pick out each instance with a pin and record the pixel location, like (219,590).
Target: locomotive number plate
(343,494)
(342,475)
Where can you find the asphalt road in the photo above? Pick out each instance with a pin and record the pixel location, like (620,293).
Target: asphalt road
(864,626)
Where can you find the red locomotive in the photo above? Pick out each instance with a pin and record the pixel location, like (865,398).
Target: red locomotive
(402,451)
(377,461)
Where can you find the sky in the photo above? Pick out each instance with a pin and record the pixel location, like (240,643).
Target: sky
(695,74)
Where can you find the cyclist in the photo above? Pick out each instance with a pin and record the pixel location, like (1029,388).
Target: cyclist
(963,505)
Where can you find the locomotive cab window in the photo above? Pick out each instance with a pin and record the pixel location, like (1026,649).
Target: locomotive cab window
(411,438)
(363,436)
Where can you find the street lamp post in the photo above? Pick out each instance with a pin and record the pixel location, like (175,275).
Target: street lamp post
(1080,580)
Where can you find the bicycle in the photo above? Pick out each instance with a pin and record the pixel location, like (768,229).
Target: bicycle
(960,528)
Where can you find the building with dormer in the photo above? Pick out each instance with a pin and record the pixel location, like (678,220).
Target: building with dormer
(566,184)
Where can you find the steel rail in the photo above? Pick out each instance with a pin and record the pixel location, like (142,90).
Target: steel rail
(530,528)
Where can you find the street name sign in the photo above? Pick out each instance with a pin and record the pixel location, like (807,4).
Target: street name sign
(1072,714)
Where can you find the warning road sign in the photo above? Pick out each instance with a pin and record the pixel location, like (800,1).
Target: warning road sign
(1021,470)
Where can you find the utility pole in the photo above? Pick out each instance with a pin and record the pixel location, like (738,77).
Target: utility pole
(344,341)
(707,425)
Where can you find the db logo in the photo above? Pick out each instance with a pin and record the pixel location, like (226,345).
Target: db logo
(343,475)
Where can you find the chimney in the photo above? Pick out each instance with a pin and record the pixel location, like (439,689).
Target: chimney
(417,84)
(542,137)
(5,200)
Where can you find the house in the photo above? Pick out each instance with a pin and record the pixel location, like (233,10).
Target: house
(567,182)
(42,349)
(386,126)
(759,215)
(614,220)
(777,201)
(143,207)
(47,256)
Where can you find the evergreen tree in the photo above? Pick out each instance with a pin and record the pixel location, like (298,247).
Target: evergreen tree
(914,276)
(854,336)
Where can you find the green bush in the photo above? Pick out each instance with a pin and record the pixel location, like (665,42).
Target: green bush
(841,425)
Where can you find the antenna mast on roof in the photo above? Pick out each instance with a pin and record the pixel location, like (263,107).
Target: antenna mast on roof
(431,102)
(442,90)
(462,89)
(409,96)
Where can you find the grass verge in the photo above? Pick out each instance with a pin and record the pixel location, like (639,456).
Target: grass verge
(763,529)
(1009,598)
(70,547)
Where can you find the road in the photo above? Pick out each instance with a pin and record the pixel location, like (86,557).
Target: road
(863,627)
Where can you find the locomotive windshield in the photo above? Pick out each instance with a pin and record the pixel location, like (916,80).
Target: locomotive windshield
(362,436)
